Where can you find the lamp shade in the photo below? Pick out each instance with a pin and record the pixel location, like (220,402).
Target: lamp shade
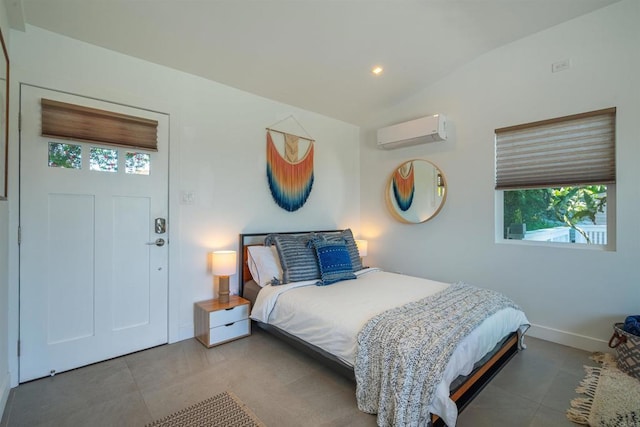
(362,245)
(223,263)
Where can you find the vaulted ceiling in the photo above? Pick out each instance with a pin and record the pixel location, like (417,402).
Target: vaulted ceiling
(313,54)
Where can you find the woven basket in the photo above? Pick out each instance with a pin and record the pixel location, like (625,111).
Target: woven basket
(627,349)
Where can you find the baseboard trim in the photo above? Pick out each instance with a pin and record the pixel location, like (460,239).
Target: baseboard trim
(4,394)
(567,338)
(186,332)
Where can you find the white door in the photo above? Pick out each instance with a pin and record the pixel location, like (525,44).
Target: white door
(92,283)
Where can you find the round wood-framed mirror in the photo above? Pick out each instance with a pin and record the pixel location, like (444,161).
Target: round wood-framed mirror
(416,191)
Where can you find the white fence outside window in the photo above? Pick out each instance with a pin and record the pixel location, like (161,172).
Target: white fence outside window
(597,234)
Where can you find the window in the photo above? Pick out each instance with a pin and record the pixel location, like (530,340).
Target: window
(68,156)
(555,177)
(103,159)
(137,163)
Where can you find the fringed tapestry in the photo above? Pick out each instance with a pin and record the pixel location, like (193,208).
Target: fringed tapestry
(290,179)
(403,186)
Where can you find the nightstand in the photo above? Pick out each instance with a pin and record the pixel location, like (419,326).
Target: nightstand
(217,322)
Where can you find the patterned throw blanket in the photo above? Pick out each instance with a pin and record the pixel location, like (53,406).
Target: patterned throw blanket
(403,352)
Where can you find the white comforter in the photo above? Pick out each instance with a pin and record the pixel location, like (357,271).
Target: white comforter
(330,317)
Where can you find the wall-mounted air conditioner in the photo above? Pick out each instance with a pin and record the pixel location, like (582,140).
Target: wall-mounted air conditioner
(418,131)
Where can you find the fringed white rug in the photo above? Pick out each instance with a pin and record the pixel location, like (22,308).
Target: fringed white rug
(612,397)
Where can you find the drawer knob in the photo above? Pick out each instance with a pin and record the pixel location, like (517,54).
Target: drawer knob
(230,324)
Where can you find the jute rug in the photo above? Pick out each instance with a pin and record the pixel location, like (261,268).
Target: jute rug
(222,410)
(612,397)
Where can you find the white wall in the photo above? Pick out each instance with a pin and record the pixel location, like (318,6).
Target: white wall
(4,265)
(218,152)
(571,296)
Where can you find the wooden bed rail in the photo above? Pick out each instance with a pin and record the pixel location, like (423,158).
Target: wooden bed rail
(468,390)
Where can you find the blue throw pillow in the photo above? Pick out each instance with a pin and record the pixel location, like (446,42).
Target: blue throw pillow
(334,262)
(346,236)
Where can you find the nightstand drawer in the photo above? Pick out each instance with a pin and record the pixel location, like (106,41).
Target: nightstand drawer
(218,322)
(223,317)
(229,331)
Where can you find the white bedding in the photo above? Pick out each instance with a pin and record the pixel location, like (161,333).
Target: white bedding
(330,317)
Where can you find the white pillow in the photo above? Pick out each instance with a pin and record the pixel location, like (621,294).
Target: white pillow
(264,264)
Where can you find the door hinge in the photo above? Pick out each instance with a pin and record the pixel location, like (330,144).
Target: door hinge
(18,348)
(19,235)
(19,122)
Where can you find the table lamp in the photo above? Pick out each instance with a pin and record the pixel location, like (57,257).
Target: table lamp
(223,265)
(362,245)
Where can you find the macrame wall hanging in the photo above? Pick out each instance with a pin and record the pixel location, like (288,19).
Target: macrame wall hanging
(403,186)
(290,175)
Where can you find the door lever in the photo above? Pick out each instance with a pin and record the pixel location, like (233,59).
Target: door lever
(158,242)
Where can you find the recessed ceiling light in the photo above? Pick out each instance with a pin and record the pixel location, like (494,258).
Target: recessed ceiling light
(377,70)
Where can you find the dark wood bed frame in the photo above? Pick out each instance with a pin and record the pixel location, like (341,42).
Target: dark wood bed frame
(464,389)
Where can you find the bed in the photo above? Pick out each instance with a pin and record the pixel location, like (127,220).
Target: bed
(342,324)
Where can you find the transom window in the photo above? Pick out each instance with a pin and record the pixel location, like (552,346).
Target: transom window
(69,156)
(84,124)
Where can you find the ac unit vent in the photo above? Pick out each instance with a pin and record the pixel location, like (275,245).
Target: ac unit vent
(418,131)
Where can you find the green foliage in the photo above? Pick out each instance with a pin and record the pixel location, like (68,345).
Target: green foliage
(550,207)
(572,205)
(103,159)
(65,155)
(137,163)
(527,207)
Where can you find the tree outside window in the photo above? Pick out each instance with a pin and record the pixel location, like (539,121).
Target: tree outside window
(546,208)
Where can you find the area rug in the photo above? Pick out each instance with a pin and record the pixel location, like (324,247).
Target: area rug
(222,410)
(612,398)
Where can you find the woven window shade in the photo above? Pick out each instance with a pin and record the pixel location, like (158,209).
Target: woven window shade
(572,150)
(70,121)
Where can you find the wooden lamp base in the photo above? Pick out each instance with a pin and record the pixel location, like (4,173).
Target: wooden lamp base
(223,288)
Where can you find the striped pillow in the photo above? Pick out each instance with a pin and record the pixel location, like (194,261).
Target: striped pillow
(334,262)
(346,236)
(297,256)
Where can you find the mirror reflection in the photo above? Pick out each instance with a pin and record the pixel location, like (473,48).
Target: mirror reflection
(416,191)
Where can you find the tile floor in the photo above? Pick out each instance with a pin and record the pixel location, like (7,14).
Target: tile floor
(281,385)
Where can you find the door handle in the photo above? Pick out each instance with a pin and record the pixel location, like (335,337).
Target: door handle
(158,242)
